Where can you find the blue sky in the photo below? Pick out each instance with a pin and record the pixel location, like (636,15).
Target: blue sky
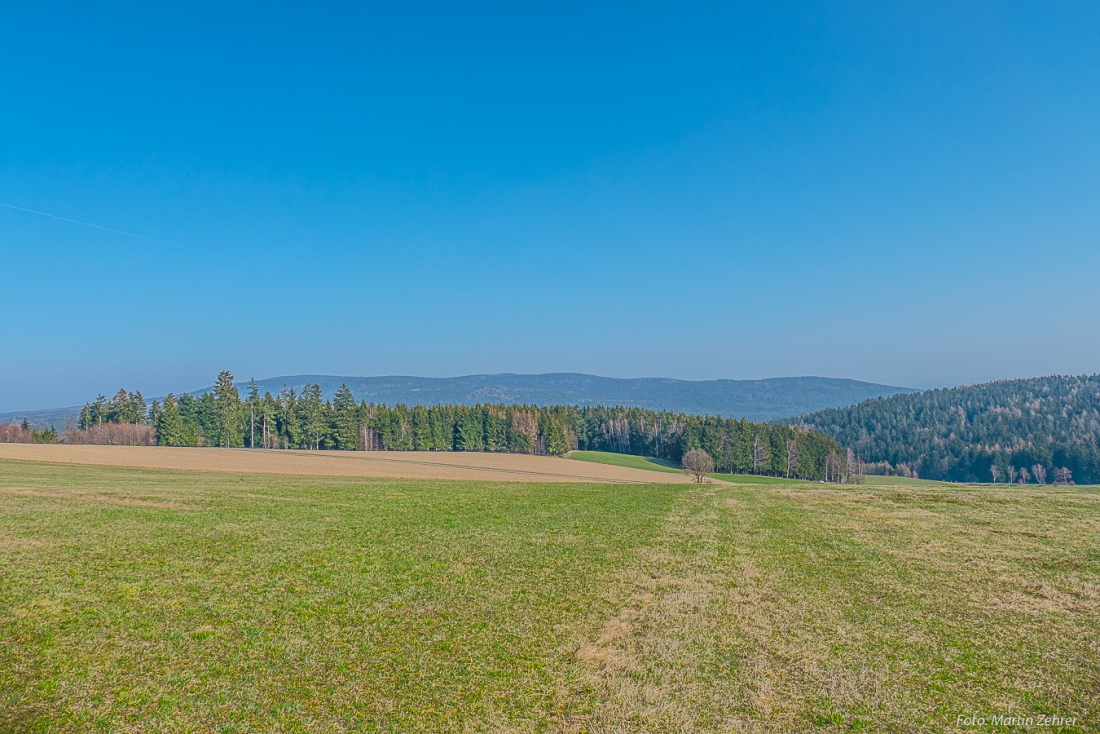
(901,193)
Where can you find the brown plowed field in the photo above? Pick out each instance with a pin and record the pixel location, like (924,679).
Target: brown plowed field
(396,464)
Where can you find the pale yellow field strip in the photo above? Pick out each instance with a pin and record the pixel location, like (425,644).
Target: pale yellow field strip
(394,464)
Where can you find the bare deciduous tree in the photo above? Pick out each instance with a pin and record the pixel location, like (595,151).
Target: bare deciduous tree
(15,433)
(1025,475)
(526,425)
(996,472)
(112,434)
(1012,472)
(1040,473)
(759,454)
(857,470)
(698,463)
(792,457)
(617,432)
(1062,475)
(832,467)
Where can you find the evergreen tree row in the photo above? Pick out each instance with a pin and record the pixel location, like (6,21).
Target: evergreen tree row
(306,420)
(1042,429)
(124,407)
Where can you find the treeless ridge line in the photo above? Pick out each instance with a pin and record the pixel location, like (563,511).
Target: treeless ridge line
(471,466)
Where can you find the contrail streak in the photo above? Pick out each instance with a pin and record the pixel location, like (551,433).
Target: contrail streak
(97,226)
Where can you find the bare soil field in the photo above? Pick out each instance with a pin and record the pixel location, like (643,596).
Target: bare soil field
(381,464)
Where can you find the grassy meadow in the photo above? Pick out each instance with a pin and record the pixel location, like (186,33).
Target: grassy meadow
(663,465)
(628,460)
(135,600)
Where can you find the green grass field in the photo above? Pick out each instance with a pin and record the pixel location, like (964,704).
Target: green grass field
(159,601)
(647,462)
(627,460)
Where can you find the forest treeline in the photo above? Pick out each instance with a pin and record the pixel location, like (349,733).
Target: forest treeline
(306,420)
(1035,430)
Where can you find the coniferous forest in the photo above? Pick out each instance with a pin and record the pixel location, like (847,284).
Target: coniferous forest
(1042,430)
(225,417)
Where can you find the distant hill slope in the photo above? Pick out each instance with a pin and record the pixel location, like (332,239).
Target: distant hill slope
(56,417)
(756,400)
(962,433)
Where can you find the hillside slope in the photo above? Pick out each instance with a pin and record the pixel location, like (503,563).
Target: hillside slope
(971,433)
(56,417)
(755,400)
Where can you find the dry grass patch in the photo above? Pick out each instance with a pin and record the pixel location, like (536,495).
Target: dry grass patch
(77,494)
(422,465)
(839,610)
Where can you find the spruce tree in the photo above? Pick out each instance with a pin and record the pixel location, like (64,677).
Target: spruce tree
(470,431)
(227,403)
(345,431)
(557,439)
(287,419)
(310,410)
(423,439)
(169,423)
(496,429)
(253,399)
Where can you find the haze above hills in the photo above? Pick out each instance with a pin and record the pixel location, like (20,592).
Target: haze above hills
(758,400)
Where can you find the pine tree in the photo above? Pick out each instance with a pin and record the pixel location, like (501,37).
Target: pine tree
(441,420)
(289,424)
(253,399)
(267,416)
(93,413)
(470,432)
(558,441)
(345,428)
(227,402)
(496,429)
(169,423)
(137,409)
(310,409)
(423,439)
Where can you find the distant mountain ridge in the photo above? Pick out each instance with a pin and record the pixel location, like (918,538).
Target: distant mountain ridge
(56,417)
(757,400)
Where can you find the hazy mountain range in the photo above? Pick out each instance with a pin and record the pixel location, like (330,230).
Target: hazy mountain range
(758,400)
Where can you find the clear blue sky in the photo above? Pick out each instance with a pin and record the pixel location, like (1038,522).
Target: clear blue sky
(907,194)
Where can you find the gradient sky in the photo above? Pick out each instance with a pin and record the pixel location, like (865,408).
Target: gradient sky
(907,194)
